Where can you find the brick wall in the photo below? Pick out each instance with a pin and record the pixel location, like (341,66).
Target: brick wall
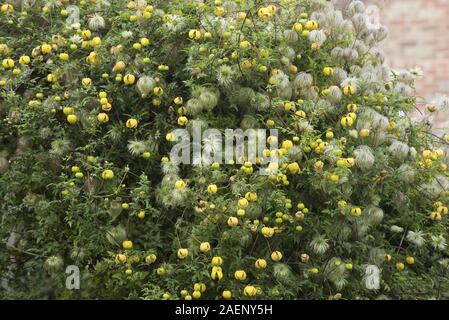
(419,36)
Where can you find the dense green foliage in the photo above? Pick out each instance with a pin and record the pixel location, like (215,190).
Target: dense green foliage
(356,210)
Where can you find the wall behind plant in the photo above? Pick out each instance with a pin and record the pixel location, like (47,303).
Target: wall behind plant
(419,36)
